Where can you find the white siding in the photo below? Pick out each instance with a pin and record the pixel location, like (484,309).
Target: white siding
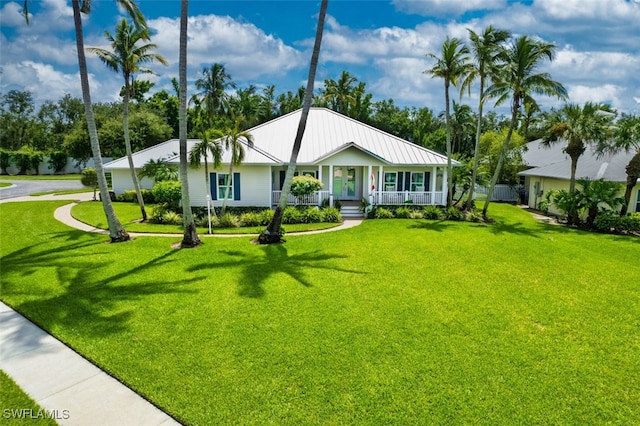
(254,186)
(121,181)
(351,157)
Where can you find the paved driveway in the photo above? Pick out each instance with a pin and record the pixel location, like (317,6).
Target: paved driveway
(26,187)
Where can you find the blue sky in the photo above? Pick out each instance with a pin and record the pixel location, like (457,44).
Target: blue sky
(382,43)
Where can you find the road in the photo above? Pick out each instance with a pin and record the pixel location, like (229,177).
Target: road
(27,187)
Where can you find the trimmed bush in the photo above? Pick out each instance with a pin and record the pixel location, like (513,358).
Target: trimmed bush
(130,196)
(433,213)
(607,221)
(311,215)
(402,213)
(229,220)
(304,185)
(382,213)
(291,215)
(331,215)
(168,192)
(251,219)
(89,177)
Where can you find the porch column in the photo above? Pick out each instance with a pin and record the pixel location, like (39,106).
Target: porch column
(270,187)
(330,185)
(380,182)
(445,187)
(320,179)
(370,182)
(432,184)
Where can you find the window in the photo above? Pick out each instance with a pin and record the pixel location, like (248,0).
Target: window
(638,202)
(223,181)
(305,173)
(417,182)
(390,181)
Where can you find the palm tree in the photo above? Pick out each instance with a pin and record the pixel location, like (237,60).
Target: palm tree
(339,94)
(579,126)
(234,139)
(200,153)
(486,50)
(627,138)
(190,236)
(273,232)
(452,65)
(126,57)
(517,80)
(116,231)
(213,86)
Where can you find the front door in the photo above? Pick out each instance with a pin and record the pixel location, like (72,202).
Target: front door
(344,183)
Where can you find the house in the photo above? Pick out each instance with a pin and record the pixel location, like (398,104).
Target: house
(353,160)
(550,169)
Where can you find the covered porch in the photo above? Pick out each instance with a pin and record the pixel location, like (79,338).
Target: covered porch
(378,184)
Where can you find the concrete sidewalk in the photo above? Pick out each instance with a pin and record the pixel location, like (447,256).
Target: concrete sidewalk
(64,383)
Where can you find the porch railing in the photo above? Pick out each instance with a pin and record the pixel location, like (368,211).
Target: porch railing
(405,197)
(314,199)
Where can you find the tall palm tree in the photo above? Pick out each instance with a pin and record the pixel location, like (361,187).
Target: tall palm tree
(452,65)
(208,145)
(116,231)
(213,86)
(486,51)
(273,232)
(234,139)
(190,235)
(579,126)
(126,57)
(517,81)
(339,94)
(627,138)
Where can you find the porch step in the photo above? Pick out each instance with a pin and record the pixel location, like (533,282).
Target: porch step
(351,212)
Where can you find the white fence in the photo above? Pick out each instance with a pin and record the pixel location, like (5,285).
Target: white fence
(391,198)
(314,199)
(73,166)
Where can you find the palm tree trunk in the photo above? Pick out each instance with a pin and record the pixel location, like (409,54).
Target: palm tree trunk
(476,150)
(116,231)
(501,158)
(190,237)
(448,126)
(127,145)
(572,178)
(272,233)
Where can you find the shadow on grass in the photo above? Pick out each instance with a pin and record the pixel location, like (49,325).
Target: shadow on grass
(86,297)
(437,226)
(254,271)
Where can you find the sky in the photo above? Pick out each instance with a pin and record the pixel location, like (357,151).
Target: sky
(382,43)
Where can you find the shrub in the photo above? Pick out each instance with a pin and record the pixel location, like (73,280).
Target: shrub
(474,216)
(416,214)
(403,213)
(382,213)
(304,185)
(608,221)
(157,213)
(311,215)
(203,221)
(432,212)
(171,218)
(168,192)
(28,158)
(331,215)
(57,161)
(5,160)
(453,213)
(266,216)
(89,177)
(291,215)
(130,196)
(229,220)
(251,219)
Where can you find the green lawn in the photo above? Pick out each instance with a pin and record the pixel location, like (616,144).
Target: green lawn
(129,215)
(61,192)
(4,184)
(17,408)
(72,176)
(392,322)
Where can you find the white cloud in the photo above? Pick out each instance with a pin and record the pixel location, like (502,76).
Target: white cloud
(447,7)
(605,93)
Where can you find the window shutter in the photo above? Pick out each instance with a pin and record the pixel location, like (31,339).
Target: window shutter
(213,182)
(282,176)
(427,177)
(400,185)
(236,186)
(407,181)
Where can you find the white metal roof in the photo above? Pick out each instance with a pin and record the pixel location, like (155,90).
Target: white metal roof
(327,133)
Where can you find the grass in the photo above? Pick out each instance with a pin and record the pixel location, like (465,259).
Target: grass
(61,192)
(72,176)
(17,408)
(129,214)
(4,184)
(391,322)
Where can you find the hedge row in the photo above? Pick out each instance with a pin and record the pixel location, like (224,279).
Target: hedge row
(426,212)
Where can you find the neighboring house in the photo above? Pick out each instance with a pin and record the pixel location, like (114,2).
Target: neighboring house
(551,170)
(353,160)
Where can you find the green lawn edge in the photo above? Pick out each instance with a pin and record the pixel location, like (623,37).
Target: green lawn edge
(18,408)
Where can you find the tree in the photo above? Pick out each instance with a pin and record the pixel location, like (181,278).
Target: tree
(200,152)
(234,139)
(579,126)
(273,232)
(486,50)
(517,80)
(16,119)
(190,236)
(158,170)
(339,94)
(452,65)
(126,57)
(627,138)
(213,86)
